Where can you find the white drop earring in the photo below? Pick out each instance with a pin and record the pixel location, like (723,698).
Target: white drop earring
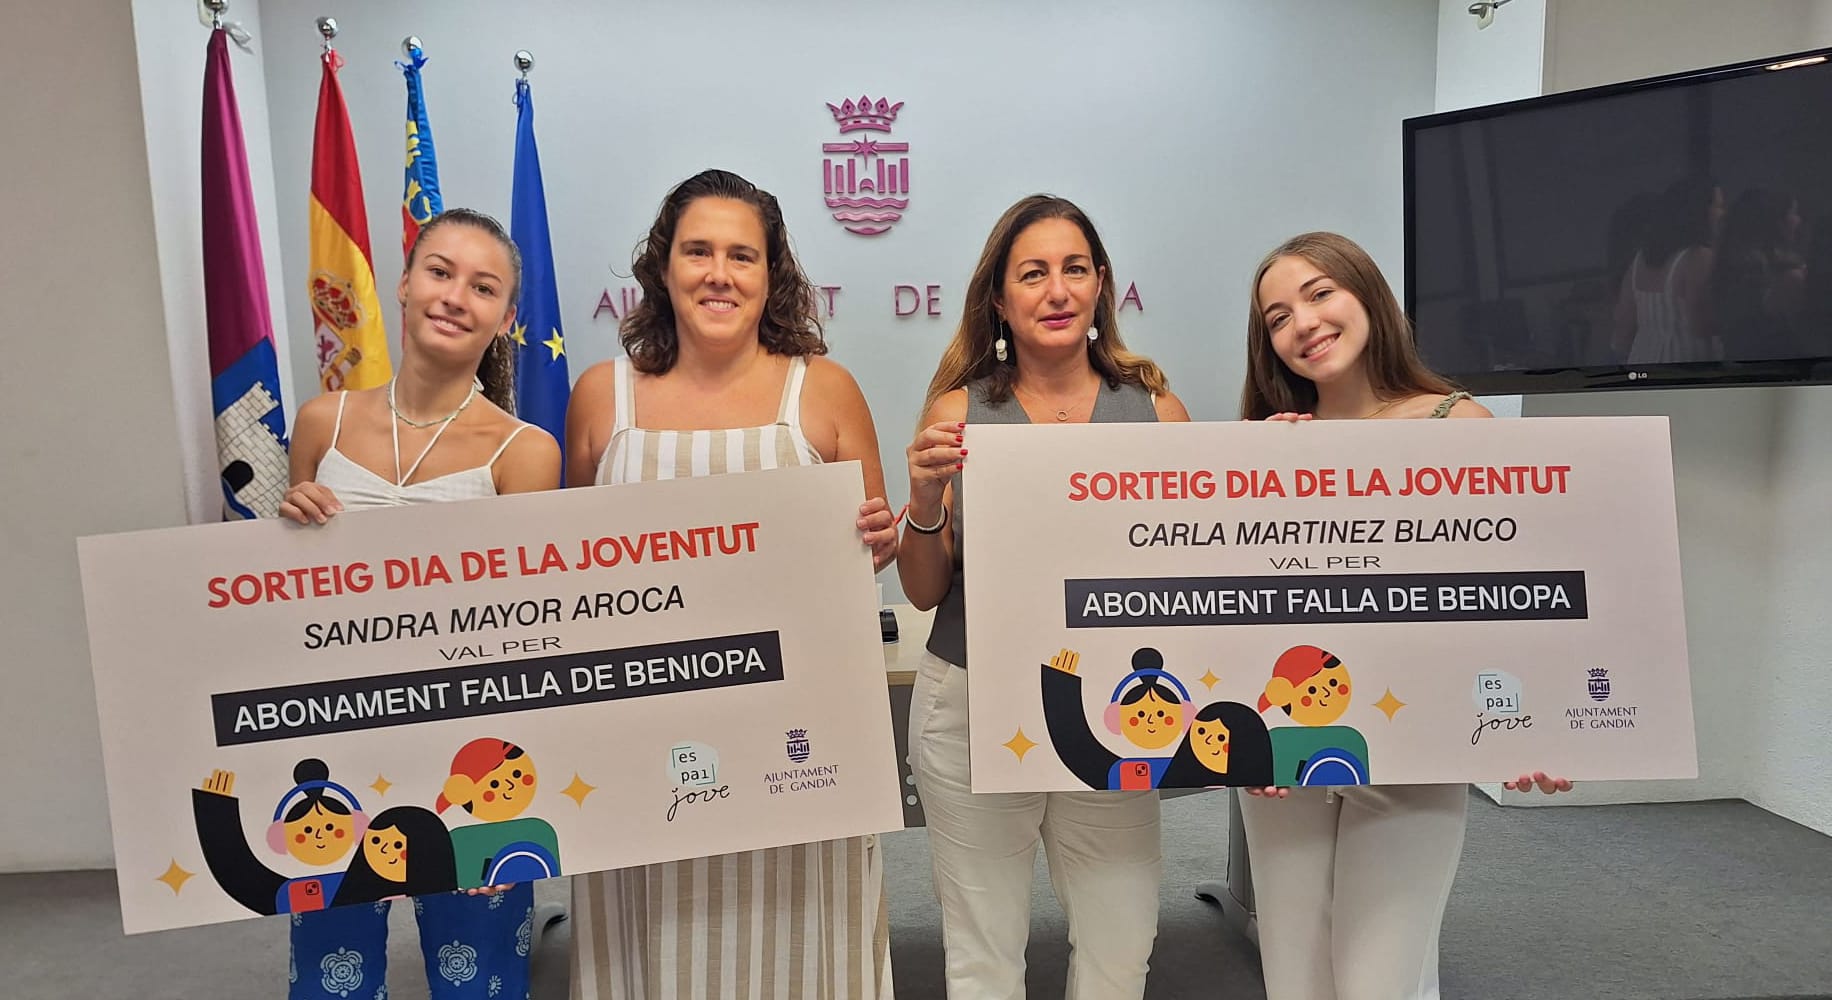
(998,347)
(1093,333)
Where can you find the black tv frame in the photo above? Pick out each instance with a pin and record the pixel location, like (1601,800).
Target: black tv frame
(1710,374)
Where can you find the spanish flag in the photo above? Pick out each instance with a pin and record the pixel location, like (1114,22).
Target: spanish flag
(352,343)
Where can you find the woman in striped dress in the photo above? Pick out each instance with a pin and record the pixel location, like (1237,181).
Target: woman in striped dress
(724,374)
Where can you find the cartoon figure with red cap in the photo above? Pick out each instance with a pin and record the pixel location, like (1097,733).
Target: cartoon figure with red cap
(1312,687)
(494,780)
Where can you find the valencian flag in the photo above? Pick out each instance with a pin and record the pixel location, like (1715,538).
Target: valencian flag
(347,316)
(244,373)
(420,198)
(541,385)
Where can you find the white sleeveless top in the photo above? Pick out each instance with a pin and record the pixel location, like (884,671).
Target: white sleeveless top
(635,455)
(357,487)
(1663,334)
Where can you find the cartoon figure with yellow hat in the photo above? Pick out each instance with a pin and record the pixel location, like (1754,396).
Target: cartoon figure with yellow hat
(1312,686)
(494,780)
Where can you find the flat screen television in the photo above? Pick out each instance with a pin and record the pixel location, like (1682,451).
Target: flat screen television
(1675,231)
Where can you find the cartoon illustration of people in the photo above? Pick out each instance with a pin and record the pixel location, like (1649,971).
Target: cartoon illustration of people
(1149,708)
(494,780)
(1228,744)
(1312,687)
(406,852)
(317,823)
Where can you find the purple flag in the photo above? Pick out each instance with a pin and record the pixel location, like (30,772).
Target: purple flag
(244,372)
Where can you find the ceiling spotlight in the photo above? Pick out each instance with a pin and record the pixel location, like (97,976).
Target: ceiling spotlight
(1485,11)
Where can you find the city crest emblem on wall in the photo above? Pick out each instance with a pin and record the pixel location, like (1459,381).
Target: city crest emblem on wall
(866,179)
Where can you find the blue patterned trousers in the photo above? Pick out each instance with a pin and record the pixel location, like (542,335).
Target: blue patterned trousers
(476,948)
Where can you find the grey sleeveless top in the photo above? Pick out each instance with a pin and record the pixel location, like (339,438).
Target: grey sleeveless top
(1125,404)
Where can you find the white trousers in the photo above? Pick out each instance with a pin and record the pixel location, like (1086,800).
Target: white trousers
(1350,888)
(1102,849)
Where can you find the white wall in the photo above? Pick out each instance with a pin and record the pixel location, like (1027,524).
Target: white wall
(1790,717)
(105,268)
(1723,441)
(1491,65)
(1481,66)
(1191,131)
(1751,490)
(87,433)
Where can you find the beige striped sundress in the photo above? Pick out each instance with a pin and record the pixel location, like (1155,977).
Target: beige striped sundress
(807,922)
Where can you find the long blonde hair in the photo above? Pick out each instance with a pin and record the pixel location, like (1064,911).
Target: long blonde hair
(1393,364)
(970,357)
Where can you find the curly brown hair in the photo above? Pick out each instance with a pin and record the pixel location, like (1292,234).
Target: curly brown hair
(1392,357)
(970,355)
(790,324)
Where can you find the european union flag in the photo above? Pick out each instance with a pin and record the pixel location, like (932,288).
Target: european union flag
(541,385)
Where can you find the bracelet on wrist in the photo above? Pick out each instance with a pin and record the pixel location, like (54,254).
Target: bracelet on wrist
(928,529)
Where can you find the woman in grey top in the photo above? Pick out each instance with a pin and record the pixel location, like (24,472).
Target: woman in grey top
(1038,343)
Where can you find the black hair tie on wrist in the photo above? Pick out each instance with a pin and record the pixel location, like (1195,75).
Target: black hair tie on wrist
(929,529)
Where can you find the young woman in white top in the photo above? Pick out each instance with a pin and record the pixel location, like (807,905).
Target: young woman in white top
(442,429)
(1350,883)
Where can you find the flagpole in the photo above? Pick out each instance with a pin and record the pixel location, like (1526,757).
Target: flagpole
(216,8)
(327,29)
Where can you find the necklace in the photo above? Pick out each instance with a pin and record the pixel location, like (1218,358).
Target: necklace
(422,425)
(1382,408)
(394,431)
(1062,413)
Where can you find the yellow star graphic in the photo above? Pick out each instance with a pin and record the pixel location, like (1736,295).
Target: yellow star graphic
(1019,744)
(175,877)
(1209,680)
(1389,704)
(381,785)
(578,790)
(518,333)
(556,345)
